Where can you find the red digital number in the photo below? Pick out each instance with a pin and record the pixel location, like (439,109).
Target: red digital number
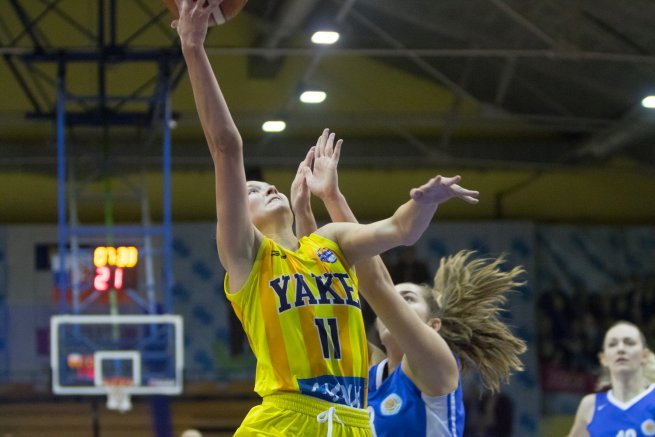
(104,278)
(118,278)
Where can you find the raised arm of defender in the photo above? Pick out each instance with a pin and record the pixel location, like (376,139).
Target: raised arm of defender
(404,227)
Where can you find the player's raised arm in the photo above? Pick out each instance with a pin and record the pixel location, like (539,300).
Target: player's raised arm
(405,226)
(236,235)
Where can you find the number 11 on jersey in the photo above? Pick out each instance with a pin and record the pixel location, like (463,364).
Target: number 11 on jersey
(326,338)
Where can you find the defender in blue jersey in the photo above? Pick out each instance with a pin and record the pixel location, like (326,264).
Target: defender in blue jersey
(627,409)
(394,397)
(417,391)
(462,307)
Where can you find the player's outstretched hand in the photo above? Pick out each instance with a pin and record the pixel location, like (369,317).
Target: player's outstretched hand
(300,194)
(193,21)
(440,189)
(323,180)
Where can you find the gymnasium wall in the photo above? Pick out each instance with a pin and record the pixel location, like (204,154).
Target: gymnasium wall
(612,194)
(566,258)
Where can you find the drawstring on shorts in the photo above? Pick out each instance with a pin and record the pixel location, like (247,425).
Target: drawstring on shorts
(328,416)
(322,412)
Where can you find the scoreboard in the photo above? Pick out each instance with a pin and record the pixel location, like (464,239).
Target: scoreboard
(114,267)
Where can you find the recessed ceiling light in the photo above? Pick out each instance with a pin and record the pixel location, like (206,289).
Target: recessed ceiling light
(648,102)
(274,126)
(325,37)
(312,96)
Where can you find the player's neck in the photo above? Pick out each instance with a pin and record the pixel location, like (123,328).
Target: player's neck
(280,232)
(286,239)
(626,387)
(394,357)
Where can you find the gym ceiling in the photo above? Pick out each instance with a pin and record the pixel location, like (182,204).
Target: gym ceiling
(536,103)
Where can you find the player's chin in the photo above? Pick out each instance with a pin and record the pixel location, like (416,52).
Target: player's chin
(279,209)
(278,204)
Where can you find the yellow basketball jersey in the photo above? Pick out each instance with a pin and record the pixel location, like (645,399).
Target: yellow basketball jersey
(302,315)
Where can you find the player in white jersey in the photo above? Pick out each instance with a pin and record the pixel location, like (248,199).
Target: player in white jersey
(627,409)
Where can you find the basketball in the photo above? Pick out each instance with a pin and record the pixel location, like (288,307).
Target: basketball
(224,12)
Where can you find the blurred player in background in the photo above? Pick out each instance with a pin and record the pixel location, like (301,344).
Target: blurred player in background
(627,408)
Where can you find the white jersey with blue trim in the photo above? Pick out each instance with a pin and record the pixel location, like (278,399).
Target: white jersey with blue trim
(397,407)
(635,418)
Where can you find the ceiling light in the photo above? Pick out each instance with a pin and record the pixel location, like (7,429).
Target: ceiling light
(648,102)
(311,96)
(274,126)
(325,37)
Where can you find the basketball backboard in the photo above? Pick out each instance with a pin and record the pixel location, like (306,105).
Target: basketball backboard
(93,354)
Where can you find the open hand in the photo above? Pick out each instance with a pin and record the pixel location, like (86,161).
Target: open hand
(300,193)
(322,178)
(440,189)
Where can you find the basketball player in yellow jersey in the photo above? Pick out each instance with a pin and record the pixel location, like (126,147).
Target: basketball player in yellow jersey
(297,299)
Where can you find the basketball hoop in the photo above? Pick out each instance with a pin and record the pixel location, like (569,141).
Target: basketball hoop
(107,349)
(118,393)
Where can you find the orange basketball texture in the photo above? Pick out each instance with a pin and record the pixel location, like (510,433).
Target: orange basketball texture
(228,9)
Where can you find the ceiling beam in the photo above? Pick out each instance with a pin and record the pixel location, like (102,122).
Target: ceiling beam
(574,55)
(292,14)
(523,22)
(635,125)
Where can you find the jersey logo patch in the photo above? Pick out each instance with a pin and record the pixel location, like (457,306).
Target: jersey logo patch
(326,255)
(648,427)
(391,405)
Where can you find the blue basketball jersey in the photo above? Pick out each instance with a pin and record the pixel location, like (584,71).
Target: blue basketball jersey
(397,407)
(613,418)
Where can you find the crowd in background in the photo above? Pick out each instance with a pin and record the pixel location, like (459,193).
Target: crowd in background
(571,325)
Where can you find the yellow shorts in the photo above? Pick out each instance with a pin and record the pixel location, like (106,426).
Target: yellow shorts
(291,414)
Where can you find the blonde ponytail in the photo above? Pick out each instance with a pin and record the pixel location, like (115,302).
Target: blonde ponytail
(470,295)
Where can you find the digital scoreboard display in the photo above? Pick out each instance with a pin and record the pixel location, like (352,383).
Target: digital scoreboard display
(115,267)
